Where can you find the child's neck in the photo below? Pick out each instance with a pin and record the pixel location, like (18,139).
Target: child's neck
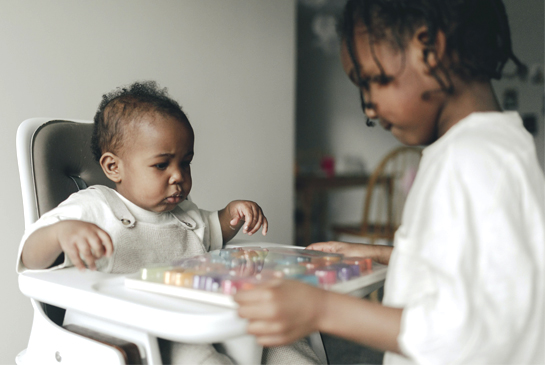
(467,98)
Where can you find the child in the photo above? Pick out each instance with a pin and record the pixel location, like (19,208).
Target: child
(466,277)
(144,144)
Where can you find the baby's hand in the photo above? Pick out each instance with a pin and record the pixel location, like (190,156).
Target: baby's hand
(249,213)
(83,242)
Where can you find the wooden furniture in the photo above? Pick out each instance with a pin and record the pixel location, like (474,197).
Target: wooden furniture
(385,197)
(308,186)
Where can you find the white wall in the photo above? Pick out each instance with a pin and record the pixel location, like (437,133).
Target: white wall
(230,63)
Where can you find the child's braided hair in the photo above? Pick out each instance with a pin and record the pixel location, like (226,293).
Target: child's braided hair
(477,32)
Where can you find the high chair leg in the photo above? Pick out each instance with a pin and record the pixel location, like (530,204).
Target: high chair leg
(51,344)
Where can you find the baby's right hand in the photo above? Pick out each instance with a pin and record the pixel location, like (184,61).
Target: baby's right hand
(83,242)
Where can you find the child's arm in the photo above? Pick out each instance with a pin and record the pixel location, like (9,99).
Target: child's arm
(83,242)
(283,311)
(378,253)
(238,213)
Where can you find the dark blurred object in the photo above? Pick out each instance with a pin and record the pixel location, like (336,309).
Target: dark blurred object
(530,123)
(510,99)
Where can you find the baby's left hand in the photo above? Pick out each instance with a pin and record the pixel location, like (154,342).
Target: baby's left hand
(248,213)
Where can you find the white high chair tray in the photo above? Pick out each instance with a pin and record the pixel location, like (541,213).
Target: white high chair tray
(105,296)
(176,318)
(356,286)
(223,300)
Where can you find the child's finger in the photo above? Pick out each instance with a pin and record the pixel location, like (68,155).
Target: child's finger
(270,340)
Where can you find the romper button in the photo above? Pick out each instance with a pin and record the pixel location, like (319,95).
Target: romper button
(187,224)
(125,221)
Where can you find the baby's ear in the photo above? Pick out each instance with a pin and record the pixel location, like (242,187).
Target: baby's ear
(111,165)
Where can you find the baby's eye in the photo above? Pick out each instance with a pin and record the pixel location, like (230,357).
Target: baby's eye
(186,164)
(161,166)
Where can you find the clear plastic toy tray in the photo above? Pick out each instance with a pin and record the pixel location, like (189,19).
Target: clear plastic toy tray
(216,276)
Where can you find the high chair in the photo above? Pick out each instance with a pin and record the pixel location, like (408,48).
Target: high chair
(90,317)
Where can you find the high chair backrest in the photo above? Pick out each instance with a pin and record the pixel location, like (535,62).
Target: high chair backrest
(55,160)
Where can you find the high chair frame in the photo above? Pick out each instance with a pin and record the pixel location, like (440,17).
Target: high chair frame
(101,315)
(99,302)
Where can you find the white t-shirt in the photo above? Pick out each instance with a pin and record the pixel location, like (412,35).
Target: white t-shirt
(468,265)
(140,237)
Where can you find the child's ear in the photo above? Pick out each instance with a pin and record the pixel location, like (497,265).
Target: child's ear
(432,54)
(111,164)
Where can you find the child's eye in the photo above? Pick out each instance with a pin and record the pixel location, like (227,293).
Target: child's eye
(161,166)
(186,164)
(382,79)
(363,83)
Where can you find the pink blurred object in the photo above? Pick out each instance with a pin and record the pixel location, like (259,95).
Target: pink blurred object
(327,164)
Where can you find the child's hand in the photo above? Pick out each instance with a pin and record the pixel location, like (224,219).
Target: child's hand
(348,249)
(281,311)
(83,242)
(378,253)
(248,213)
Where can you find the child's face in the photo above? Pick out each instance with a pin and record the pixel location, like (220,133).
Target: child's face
(154,166)
(398,104)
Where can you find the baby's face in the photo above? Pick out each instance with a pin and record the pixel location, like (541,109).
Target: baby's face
(155,163)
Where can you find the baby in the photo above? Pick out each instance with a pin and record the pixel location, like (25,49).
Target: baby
(144,143)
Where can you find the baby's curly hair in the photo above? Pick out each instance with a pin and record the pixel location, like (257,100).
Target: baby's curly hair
(125,105)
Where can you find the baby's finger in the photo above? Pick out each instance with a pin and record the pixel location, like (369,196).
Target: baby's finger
(73,255)
(265,226)
(251,219)
(97,249)
(256,225)
(106,242)
(85,253)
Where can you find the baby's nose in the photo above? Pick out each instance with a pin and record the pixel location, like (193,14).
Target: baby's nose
(176,177)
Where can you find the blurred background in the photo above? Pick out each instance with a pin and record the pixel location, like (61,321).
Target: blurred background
(260,81)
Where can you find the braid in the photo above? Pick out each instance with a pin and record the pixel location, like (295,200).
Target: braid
(477,31)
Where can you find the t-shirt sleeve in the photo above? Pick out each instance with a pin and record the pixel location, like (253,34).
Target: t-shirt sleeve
(463,253)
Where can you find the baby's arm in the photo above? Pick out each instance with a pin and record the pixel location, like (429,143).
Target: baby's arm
(283,311)
(238,213)
(378,253)
(83,242)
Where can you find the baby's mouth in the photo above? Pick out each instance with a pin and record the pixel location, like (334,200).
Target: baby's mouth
(174,198)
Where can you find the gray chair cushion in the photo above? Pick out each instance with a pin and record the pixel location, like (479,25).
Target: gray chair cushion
(62,160)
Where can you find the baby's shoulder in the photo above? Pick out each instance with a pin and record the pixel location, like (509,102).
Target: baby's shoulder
(89,201)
